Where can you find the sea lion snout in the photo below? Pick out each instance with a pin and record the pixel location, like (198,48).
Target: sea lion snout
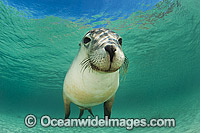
(111,50)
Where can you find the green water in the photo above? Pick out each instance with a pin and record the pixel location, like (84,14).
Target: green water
(163,47)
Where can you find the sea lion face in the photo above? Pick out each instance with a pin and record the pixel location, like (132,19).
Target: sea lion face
(103,49)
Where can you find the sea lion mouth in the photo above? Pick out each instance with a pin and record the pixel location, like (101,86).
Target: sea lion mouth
(108,71)
(87,63)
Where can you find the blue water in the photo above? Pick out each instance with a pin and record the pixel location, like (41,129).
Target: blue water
(80,9)
(39,40)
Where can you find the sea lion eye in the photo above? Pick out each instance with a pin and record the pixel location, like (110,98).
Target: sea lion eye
(120,41)
(86,40)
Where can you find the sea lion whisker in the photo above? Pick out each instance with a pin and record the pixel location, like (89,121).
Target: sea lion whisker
(86,66)
(84,61)
(83,65)
(124,67)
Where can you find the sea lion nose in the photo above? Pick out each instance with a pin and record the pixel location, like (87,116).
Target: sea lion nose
(111,50)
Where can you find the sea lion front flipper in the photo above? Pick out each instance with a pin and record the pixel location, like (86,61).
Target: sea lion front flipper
(81,113)
(67,107)
(90,111)
(108,107)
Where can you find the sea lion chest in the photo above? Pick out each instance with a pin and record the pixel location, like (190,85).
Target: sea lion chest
(89,88)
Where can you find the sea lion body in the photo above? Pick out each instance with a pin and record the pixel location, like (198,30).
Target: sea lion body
(87,89)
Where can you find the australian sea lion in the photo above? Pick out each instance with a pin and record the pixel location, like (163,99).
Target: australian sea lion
(93,77)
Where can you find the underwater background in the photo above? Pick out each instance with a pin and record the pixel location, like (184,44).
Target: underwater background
(161,38)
